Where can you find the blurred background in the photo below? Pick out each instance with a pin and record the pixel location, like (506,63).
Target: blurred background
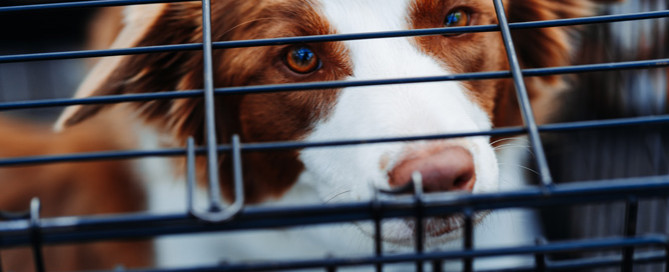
(41,31)
(613,153)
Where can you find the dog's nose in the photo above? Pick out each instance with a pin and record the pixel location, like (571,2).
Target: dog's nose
(446,169)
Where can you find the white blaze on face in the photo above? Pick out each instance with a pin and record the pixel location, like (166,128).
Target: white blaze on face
(390,110)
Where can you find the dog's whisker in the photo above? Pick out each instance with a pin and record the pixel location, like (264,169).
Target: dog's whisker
(519,138)
(520,166)
(511,146)
(525,148)
(336,195)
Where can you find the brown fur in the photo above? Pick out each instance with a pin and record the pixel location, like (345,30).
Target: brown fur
(69,189)
(103,29)
(544,47)
(464,53)
(77,188)
(290,114)
(477,52)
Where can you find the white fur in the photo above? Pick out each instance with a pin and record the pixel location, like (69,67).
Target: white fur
(507,228)
(345,173)
(389,111)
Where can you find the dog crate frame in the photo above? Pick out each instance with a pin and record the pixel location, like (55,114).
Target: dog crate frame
(28,229)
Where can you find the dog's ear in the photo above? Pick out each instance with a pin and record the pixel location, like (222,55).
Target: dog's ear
(543,47)
(546,47)
(146,25)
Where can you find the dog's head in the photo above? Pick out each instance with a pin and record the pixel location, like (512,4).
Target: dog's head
(348,113)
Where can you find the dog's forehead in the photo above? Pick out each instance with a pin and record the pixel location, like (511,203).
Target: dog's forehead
(380,58)
(353,16)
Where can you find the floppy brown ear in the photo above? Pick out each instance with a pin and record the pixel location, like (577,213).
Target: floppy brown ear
(145,25)
(545,47)
(541,47)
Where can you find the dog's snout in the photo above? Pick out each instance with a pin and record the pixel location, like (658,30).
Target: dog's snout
(446,169)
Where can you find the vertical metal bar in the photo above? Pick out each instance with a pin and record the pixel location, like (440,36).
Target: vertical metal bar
(437,266)
(666,256)
(190,174)
(378,234)
(237,174)
(631,211)
(540,258)
(210,123)
(468,242)
(417,180)
(36,235)
(232,210)
(523,99)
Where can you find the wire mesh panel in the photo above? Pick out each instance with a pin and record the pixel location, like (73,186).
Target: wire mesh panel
(601,184)
(622,152)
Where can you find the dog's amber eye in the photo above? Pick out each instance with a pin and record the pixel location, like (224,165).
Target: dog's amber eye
(457,17)
(301,59)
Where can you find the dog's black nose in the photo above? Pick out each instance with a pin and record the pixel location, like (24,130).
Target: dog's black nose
(449,168)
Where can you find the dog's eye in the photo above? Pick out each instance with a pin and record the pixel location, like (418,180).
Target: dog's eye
(301,59)
(457,17)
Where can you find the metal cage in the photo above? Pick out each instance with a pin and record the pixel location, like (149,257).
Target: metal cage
(631,247)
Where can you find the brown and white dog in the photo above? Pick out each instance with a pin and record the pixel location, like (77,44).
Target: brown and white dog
(331,174)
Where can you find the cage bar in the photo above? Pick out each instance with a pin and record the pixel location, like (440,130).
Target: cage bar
(31,230)
(36,235)
(523,98)
(631,212)
(539,258)
(315,86)
(216,201)
(468,240)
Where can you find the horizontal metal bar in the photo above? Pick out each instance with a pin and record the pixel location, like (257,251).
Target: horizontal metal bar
(330,38)
(583,245)
(241,90)
(134,154)
(598,67)
(518,25)
(13,215)
(81,229)
(84,4)
(602,124)
(607,261)
(590,263)
(592,20)
(443,30)
(99,53)
(557,127)
(250,147)
(242,43)
(106,99)
(94,156)
(312,86)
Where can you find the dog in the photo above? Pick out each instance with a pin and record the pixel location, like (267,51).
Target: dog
(327,175)
(70,189)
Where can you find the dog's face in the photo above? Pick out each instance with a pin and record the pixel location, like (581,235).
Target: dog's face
(349,113)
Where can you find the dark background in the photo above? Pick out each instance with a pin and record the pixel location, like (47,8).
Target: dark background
(41,31)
